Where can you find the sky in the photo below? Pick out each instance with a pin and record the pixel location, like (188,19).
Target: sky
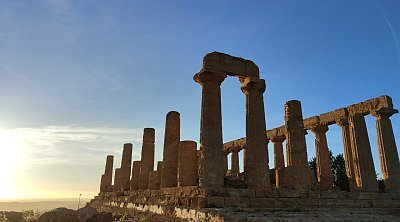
(78,79)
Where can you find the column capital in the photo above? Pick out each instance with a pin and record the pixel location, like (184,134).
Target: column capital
(342,122)
(278,139)
(252,84)
(384,112)
(207,77)
(317,129)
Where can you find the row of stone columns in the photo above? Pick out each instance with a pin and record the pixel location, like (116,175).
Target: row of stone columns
(178,168)
(357,152)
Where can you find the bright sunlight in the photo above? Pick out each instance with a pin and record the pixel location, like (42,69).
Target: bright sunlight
(11,158)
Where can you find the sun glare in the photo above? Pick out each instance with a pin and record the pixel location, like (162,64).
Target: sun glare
(10,149)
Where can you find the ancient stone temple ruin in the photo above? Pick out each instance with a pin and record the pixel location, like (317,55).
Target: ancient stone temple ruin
(193,183)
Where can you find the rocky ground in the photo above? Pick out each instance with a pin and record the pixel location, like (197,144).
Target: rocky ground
(86,214)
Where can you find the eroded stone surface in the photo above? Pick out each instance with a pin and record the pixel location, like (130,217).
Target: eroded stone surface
(147,160)
(188,167)
(170,152)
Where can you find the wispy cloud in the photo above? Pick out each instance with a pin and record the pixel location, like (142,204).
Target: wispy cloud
(69,144)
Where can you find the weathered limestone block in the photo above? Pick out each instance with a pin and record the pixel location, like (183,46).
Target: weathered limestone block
(279,162)
(364,170)
(220,62)
(126,163)
(171,147)
(389,158)
(135,175)
(324,172)
(297,171)
(256,171)
(369,105)
(187,167)
(106,178)
(212,163)
(153,175)
(117,180)
(147,161)
(348,153)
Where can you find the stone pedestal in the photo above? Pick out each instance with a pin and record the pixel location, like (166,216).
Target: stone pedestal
(256,171)
(297,170)
(170,153)
(212,164)
(147,161)
(135,175)
(364,170)
(389,158)
(106,178)
(279,161)
(235,162)
(324,172)
(348,153)
(126,164)
(187,167)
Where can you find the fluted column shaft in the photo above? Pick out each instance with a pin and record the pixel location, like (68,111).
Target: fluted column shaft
(324,172)
(135,175)
(106,178)
(170,152)
(364,170)
(117,180)
(212,163)
(256,171)
(187,167)
(159,173)
(126,164)
(389,158)
(297,170)
(279,161)
(147,161)
(235,162)
(348,153)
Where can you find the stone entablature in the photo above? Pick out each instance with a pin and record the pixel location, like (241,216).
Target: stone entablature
(333,117)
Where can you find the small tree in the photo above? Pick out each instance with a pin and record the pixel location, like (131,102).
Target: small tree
(338,168)
(339,172)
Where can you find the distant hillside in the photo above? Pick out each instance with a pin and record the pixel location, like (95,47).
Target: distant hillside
(43,205)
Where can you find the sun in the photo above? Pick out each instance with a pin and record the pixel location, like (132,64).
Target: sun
(11,150)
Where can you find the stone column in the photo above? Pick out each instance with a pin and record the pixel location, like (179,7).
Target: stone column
(348,153)
(187,167)
(323,162)
(297,170)
(364,170)
(153,175)
(256,172)
(212,166)
(126,164)
(159,173)
(279,161)
(117,180)
(135,175)
(106,178)
(235,162)
(170,153)
(389,158)
(147,161)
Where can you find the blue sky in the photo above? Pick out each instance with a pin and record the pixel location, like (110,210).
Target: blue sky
(80,78)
